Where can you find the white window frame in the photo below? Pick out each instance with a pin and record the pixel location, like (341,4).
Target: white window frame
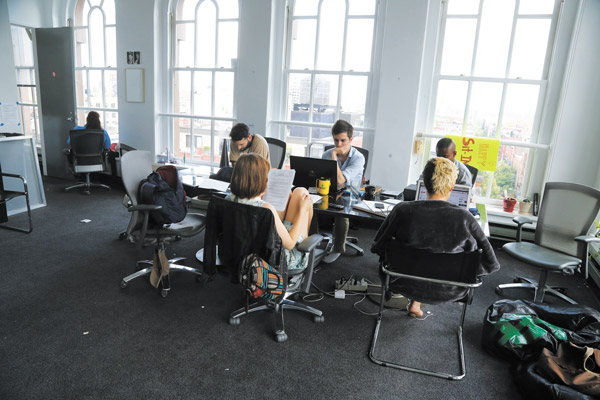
(171,115)
(280,124)
(536,139)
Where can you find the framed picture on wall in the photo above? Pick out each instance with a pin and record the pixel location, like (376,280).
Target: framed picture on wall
(133,57)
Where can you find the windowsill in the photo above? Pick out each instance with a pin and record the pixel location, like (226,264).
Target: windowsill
(498,216)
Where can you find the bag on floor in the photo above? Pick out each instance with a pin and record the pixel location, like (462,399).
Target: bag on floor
(259,279)
(163,188)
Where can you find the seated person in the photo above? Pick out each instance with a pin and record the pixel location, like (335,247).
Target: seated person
(249,184)
(437,226)
(447,148)
(93,122)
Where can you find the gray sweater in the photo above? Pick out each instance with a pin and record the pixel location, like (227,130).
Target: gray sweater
(439,227)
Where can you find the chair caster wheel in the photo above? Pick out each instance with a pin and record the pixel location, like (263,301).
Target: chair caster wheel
(234,321)
(198,278)
(498,291)
(360,253)
(164,293)
(123,284)
(281,337)
(319,318)
(122,235)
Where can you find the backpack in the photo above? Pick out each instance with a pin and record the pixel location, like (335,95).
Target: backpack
(163,188)
(259,279)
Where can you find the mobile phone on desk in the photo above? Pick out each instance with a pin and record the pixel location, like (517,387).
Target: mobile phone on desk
(381,206)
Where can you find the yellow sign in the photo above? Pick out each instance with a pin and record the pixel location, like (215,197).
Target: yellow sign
(481,153)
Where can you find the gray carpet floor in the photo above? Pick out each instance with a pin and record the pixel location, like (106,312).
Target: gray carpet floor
(68,331)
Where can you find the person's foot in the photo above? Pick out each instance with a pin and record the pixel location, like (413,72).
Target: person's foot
(331,257)
(414,309)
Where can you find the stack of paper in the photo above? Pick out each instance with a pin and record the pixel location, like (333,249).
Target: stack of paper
(370,207)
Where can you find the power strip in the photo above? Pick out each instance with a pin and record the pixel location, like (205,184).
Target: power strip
(351,285)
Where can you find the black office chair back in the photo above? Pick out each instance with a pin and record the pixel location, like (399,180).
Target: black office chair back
(224,153)
(277,150)
(87,146)
(239,230)
(473,172)
(459,269)
(567,211)
(363,151)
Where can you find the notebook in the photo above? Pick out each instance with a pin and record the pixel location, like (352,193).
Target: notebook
(460,194)
(308,170)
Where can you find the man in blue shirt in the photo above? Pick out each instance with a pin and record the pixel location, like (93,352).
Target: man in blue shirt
(350,164)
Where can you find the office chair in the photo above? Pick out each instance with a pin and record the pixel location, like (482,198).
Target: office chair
(135,166)
(473,172)
(352,241)
(561,241)
(235,230)
(87,149)
(457,269)
(224,153)
(277,150)
(7,195)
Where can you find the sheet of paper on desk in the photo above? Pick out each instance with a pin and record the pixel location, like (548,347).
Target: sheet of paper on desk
(316,198)
(207,183)
(278,187)
(392,201)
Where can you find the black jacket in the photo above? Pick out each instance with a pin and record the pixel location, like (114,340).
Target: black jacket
(239,230)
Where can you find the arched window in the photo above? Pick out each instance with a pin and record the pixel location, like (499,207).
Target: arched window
(203,67)
(96,63)
(328,69)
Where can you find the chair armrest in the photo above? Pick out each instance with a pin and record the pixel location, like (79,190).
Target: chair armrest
(520,221)
(16,177)
(588,239)
(310,243)
(144,207)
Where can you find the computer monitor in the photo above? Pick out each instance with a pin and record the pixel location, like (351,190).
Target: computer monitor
(308,170)
(460,194)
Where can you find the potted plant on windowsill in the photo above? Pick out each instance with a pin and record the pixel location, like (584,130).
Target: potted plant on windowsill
(509,204)
(525,206)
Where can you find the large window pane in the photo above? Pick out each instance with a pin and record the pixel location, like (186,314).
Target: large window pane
(202,93)
(362,7)
(109,11)
(484,108)
(331,35)
(181,132)
(111,47)
(182,94)
(450,107)
(221,132)
(228,44)
(536,6)
(97,35)
(228,8)
(206,35)
(529,53)
(354,95)
(303,44)
(494,38)
(186,9)
(306,7)
(458,47)
(82,50)
(509,176)
(185,45)
(519,112)
(110,89)
(298,101)
(360,37)
(95,88)
(224,94)
(81,88)
(325,94)
(464,7)
(111,125)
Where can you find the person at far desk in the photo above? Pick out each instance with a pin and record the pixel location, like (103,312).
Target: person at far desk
(447,148)
(93,122)
(243,142)
(350,164)
(437,226)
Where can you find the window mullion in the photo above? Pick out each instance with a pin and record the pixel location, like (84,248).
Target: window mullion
(512,42)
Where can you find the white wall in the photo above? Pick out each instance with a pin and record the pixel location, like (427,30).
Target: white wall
(8,83)
(577,135)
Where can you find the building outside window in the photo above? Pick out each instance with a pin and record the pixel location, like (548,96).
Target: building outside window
(26,84)
(204,39)
(490,81)
(96,63)
(328,70)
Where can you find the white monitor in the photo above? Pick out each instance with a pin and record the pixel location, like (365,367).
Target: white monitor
(460,194)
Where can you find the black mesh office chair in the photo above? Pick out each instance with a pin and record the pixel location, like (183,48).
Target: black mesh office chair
(458,269)
(235,230)
(277,150)
(87,150)
(561,241)
(8,195)
(135,166)
(473,172)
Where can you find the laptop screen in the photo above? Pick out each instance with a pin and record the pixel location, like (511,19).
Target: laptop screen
(308,170)
(460,194)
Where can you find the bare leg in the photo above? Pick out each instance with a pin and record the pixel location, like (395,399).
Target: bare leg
(293,208)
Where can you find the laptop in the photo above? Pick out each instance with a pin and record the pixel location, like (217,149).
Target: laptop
(308,170)
(460,194)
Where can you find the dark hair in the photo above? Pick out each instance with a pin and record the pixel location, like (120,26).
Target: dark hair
(441,149)
(93,120)
(342,126)
(250,176)
(239,131)
(439,175)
